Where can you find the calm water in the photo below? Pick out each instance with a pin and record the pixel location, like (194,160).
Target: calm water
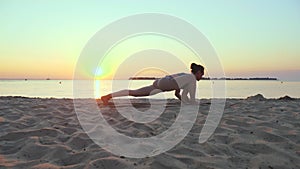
(53,88)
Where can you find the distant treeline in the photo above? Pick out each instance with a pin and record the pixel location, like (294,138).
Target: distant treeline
(142,78)
(239,78)
(208,78)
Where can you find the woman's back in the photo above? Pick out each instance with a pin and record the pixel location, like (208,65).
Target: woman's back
(183,79)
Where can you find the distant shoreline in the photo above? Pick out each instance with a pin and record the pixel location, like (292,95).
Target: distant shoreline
(208,78)
(257,97)
(154,78)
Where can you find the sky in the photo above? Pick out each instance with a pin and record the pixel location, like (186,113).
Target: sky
(43,39)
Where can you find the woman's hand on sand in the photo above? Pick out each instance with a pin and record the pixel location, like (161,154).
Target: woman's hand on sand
(189,102)
(194,102)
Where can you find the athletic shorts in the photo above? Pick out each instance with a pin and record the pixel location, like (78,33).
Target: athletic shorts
(166,84)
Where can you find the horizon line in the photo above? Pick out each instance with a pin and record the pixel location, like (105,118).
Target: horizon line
(151,78)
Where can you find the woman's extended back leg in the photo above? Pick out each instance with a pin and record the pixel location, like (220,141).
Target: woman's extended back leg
(144,91)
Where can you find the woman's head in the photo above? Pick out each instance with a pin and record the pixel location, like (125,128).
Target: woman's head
(197,70)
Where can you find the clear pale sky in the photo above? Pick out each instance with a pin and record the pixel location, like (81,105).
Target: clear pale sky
(43,39)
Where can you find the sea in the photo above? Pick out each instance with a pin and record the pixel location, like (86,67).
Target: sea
(65,89)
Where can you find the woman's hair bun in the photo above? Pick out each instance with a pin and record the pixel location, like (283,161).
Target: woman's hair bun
(193,65)
(195,68)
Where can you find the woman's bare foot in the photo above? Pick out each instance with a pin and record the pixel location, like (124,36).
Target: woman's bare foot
(105,99)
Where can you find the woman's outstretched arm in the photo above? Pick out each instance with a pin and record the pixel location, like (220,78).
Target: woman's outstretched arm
(191,90)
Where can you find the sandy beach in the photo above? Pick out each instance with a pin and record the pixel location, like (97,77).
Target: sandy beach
(253,133)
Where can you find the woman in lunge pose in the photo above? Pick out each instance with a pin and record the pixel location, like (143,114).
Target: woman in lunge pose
(184,81)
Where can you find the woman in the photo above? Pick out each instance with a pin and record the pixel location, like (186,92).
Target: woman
(176,82)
